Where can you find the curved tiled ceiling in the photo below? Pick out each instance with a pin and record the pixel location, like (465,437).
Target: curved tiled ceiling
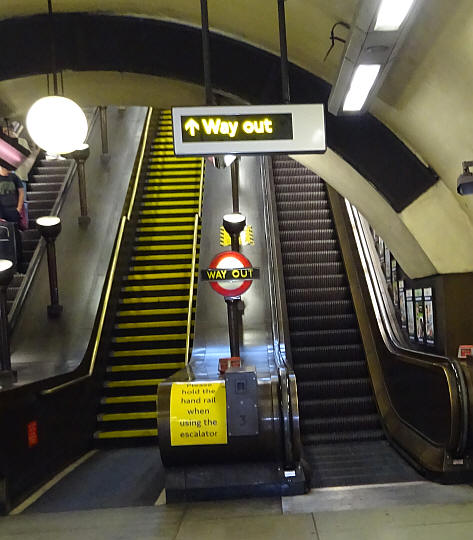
(425,99)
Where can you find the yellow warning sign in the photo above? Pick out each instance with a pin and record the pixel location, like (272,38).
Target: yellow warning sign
(198,413)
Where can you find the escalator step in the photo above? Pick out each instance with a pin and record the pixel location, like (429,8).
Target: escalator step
(295,197)
(290,214)
(319,294)
(289,225)
(294,257)
(323,322)
(309,245)
(304,206)
(316,281)
(336,307)
(298,187)
(311,408)
(362,422)
(309,233)
(317,338)
(335,388)
(343,436)
(328,353)
(131,433)
(313,269)
(316,371)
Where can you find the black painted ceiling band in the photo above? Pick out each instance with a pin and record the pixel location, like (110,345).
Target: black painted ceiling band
(129,44)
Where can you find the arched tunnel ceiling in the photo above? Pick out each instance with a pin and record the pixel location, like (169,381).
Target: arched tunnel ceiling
(425,100)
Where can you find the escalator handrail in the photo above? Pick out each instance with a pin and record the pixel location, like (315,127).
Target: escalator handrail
(125,219)
(379,297)
(280,325)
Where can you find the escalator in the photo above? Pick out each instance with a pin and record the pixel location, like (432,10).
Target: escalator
(148,339)
(340,427)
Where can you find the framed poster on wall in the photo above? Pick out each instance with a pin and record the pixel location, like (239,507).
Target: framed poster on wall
(419,315)
(394,280)
(402,304)
(411,327)
(381,249)
(429,316)
(387,263)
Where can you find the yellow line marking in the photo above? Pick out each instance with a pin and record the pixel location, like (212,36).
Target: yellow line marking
(164,237)
(166,228)
(162,287)
(156,337)
(126,434)
(178,189)
(175,195)
(163,248)
(157,268)
(46,487)
(153,324)
(148,352)
(159,257)
(154,299)
(171,203)
(166,220)
(146,367)
(188,167)
(169,275)
(150,312)
(175,159)
(158,211)
(128,399)
(136,382)
(111,417)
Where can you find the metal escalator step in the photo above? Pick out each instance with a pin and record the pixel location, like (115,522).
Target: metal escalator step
(112,417)
(319,294)
(145,367)
(310,408)
(296,197)
(319,322)
(290,214)
(358,422)
(304,206)
(318,239)
(133,383)
(128,399)
(308,233)
(149,352)
(286,184)
(149,337)
(296,176)
(317,371)
(309,245)
(335,307)
(343,436)
(316,281)
(313,269)
(151,325)
(334,388)
(328,353)
(289,225)
(295,257)
(339,337)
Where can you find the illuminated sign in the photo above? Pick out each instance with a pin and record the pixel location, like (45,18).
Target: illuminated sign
(259,129)
(230,274)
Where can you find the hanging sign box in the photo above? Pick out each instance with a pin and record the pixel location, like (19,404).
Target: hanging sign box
(246,130)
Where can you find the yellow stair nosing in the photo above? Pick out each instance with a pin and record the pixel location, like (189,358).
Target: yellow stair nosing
(162,287)
(166,247)
(158,257)
(126,433)
(154,299)
(163,275)
(145,367)
(110,400)
(136,382)
(167,220)
(114,417)
(155,337)
(150,312)
(159,268)
(151,324)
(148,352)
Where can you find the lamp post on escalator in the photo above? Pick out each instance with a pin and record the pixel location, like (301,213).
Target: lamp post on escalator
(80,156)
(50,227)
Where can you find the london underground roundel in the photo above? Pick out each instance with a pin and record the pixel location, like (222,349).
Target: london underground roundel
(230,274)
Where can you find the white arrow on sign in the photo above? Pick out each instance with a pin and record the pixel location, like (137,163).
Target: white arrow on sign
(191,125)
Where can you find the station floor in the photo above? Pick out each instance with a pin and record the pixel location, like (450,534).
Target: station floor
(360,513)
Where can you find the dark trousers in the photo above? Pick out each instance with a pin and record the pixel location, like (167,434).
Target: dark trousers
(11,214)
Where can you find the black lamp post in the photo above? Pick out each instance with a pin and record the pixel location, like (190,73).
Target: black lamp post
(7,270)
(234,225)
(50,227)
(80,156)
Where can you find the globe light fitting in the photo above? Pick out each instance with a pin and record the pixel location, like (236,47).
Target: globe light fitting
(57,124)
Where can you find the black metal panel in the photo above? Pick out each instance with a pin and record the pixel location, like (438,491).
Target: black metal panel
(131,44)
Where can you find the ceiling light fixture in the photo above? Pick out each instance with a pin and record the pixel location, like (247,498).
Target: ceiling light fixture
(375,38)
(55,123)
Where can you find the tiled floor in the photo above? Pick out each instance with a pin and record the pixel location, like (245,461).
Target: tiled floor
(250,519)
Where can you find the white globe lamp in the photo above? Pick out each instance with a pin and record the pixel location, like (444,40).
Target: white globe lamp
(57,124)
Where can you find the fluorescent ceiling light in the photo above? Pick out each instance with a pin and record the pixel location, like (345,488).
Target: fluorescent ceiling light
(391,14)
(361,84)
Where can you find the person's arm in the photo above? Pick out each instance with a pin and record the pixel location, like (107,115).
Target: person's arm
(21,199)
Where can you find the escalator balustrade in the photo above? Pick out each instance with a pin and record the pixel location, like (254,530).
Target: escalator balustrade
(149,336)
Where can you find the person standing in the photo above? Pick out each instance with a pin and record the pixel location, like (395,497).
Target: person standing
(12,196)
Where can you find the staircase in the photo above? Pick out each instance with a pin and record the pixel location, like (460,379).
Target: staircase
(339,423)
(149,336)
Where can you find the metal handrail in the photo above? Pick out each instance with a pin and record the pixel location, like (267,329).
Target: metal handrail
(126,215)
(197,218)
(389,337)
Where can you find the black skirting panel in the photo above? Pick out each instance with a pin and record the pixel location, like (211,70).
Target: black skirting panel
(130,44)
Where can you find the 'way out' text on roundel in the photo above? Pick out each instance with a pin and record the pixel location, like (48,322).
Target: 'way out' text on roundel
(230,260)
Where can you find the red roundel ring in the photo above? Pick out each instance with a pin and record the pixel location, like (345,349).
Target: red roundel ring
(230,259)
